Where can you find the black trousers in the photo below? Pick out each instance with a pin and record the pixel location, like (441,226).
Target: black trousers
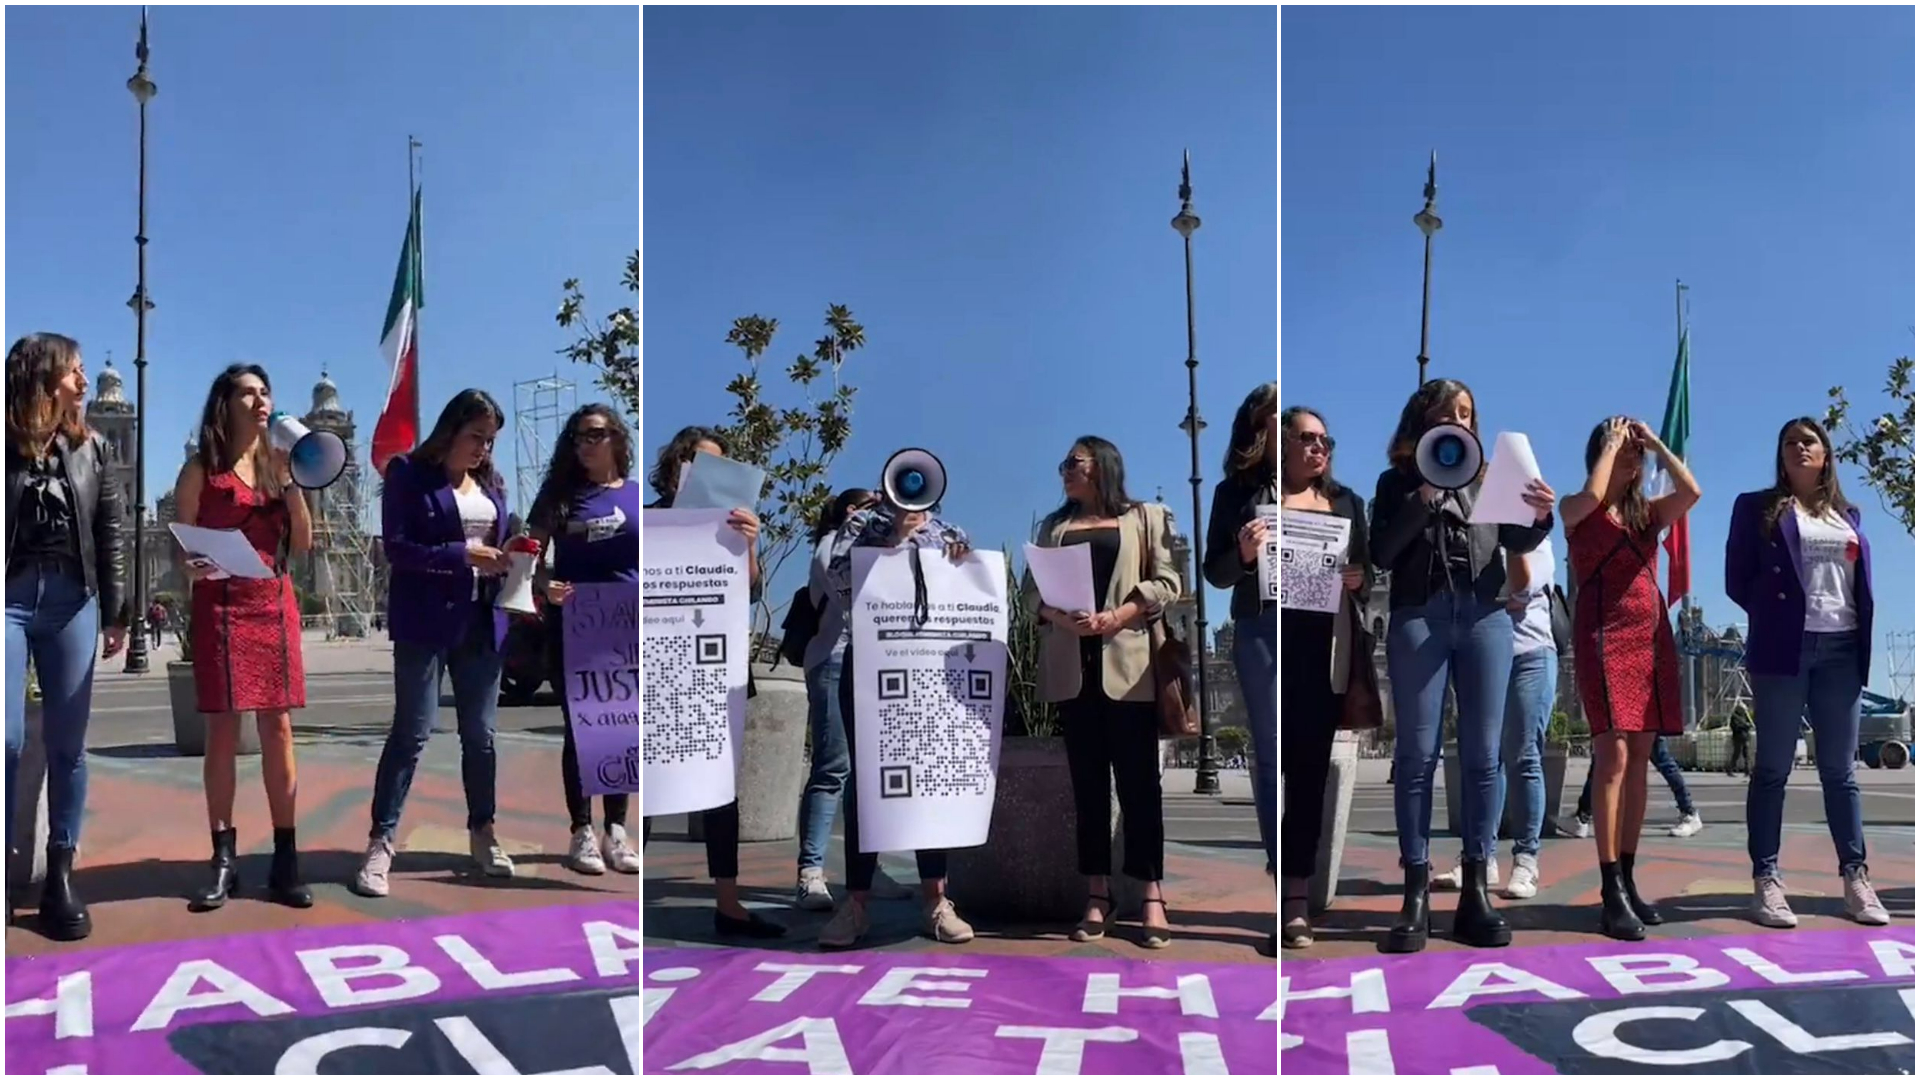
(723,839)
(862,865)
(579,806)
(1309,715)
(1114,745)
(1740,753)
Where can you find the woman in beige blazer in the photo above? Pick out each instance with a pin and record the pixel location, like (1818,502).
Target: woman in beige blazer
(1096,667)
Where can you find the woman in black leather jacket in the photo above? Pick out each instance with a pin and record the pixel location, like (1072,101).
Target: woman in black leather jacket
(66,575)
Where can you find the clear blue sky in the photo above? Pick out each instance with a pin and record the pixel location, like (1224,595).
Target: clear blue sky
(989,189)
(1588,157)
(276,193)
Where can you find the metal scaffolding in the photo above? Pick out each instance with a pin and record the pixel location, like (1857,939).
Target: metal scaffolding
(540,409)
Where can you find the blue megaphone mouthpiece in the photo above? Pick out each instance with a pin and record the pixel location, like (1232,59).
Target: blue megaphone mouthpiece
(1449,452)
(912,483)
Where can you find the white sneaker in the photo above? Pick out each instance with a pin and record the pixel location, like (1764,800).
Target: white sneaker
(1577,827)
(1770,904)
(1862,905)
(372,879)
(1452,878)
(619,855)
(810,893)
(1526,878)
(1449,880)
(885,888)
(487,854)
(583,852)
(1688,825)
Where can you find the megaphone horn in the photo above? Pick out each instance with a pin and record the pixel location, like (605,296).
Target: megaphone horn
(317,458)
(1448,457)
(914,479)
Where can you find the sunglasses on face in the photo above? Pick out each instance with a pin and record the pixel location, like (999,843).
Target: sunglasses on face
(1073,463)
(1313,438)
(594,436)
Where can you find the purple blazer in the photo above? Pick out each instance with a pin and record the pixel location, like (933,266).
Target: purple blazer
(430,587)
(1763,577)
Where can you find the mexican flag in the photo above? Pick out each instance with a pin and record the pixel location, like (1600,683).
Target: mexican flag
(1675,427)
(399,428)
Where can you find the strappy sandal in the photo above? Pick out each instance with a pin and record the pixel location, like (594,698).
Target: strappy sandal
(1088,930)
(1154,937)
(1297,932)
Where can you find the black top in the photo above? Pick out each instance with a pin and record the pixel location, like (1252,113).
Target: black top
(1104,550)
(49,527)
(1405,542)
(1233,507)
(1447,533)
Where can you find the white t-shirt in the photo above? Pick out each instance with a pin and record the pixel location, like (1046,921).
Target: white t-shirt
(1533,628)
(478,517)
(1829,553)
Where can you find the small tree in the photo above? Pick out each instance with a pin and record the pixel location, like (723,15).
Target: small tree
(1026,712)
(1885,451)
(612,345)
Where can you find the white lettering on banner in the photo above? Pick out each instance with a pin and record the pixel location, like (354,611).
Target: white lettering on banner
(1896,957)
(653,997)
(795,976)
(1064,1048)
(1780,976)
(482,971)
(821,1050)
(1194,992)
(336,984)
(1598,1035)
(1472,983)
(71,1006)
(67,1070)
(1369,1054)
(1200,1054)
(1367,988)
(303,1058)
(604,938)
(1288,1042)
(1633,974)
(888,990)
(1801,1041)
(1477,1070)
(626,1018)
(1907,996)
(231,989)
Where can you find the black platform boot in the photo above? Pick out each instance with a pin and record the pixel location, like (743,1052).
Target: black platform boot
(1410,930)
(1648,914)
(1617,919)
(226,874)
(1475,922)
(283,879)
(62,915)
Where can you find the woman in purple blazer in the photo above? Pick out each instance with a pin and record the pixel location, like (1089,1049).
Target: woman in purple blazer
(443,513)
(1798,563)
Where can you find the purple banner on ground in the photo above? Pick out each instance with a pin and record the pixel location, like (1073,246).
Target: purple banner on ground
(1838,1001)
(526,991)
(602,649)
(952,1012)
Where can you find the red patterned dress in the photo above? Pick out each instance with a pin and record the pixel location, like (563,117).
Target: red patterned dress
(1623,655)
(246,633)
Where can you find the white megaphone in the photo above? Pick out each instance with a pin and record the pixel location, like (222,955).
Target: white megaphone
(914,480)
(516,591)
(317,457)
(1448,457)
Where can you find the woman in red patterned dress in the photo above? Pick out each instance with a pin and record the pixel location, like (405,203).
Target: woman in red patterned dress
(1624,658)
(246,632)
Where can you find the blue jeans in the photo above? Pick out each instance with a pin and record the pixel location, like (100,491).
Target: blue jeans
(474,665)
(51,616)
(1662,759)
(1523,739)
(1457,635)
(828,777)
(1827,689)
(1255,639)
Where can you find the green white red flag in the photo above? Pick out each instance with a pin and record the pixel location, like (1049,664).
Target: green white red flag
(399,428)
(1676,426)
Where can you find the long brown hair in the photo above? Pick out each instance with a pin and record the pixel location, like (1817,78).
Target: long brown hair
(1324,483)
(1414,423)
(1249,458)
(216,417)
(566,477)
(35,365)
(1826,495)
(466,407)
(665,477)
(1636,514)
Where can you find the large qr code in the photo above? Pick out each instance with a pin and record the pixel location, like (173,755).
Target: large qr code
(1309,580)
(686,697)
(936,732)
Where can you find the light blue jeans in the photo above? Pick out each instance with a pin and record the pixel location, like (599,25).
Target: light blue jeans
(1255,640)
(1827,690)
(51,617)
(1523,739)
(828,776)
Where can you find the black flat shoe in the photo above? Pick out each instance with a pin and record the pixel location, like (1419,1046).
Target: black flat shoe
(1415,921)
(752,926)
(1647,913)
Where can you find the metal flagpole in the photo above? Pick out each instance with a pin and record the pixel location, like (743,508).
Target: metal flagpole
(1690,670)
(415,146)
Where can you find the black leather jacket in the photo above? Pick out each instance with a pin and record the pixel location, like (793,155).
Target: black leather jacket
(100,507)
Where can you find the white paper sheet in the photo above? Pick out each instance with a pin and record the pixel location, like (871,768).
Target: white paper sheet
(1313,549)
(1270,553)
(1508,474)
(1064,576)
(229,549)
(927,700)
(693,676)
(710,482)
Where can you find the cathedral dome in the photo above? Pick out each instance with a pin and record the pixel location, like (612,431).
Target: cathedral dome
(326,396)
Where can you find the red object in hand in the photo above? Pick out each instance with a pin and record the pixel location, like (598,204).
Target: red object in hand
(523,545)
(1853,551)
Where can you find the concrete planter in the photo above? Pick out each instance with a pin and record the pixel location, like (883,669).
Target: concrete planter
(1028,870)
(773,766)
(1335,814)
(190,725)
(1553,770)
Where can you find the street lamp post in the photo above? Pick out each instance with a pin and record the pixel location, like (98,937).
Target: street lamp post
(143,92)
(1206,779)
(1429,223)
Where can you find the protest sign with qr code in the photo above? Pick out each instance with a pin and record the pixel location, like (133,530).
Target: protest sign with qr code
(928,697)
(1270,553)
(693,585)
(1312,549)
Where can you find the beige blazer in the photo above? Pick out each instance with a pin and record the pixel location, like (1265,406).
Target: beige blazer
(1126,661)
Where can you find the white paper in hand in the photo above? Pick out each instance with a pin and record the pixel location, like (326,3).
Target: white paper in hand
(1064,576)
(1508,474)
(229,549)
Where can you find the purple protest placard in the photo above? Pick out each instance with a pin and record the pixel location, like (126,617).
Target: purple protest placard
(525,991)
(889,1013)
(602,650)
(1838,1001)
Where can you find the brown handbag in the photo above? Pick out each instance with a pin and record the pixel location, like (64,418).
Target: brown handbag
(1361,709)
(1172,662)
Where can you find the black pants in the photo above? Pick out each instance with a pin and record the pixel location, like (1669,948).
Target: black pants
(579,806)
(1309,715)
(862,865)
(1114,744)
(1740,753)
(723,839)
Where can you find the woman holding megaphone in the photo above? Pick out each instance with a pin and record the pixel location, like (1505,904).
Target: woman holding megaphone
(1446,625)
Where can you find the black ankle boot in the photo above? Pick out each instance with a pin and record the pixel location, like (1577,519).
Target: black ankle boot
(226,874)
(1475,922)
(1409,933)
(1647,912)
(62,915)
(1617,919)
(283,880)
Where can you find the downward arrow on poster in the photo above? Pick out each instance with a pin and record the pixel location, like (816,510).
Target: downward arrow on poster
(969,652)
(698,618)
